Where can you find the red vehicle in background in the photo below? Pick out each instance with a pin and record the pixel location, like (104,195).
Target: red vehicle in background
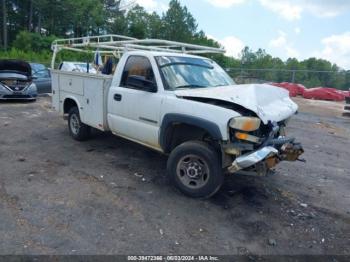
(324,93)
(346,93)
(294,89)
(319,93)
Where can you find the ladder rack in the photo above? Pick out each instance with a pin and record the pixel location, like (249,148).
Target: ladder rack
(112,44)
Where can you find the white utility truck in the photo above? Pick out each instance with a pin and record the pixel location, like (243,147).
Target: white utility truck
(165,97)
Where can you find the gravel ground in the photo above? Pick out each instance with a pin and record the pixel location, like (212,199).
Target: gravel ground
(110,196)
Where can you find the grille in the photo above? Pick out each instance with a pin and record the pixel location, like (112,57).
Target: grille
(15,85)
(18,87)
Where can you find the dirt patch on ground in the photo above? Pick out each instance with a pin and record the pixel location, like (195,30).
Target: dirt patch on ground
(111,196)
(319,107)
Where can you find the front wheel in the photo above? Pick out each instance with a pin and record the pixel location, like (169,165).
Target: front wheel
(194,168)
(77,129)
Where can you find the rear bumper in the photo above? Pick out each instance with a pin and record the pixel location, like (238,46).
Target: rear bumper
(266,157)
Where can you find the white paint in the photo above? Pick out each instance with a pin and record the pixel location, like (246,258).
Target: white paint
(94,95)
(268,102)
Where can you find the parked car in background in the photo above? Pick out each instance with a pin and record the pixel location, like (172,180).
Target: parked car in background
(77,67)
(41,77)
(324,93)
(346,93)
(16,81)
(293,88)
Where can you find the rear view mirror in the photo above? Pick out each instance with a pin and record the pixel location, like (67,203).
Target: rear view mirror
(139,82)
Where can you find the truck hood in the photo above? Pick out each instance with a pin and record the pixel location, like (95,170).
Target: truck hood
(270,103)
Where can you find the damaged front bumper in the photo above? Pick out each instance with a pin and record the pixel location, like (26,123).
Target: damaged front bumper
(261,161)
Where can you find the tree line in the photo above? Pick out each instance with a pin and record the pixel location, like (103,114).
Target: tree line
(29,26)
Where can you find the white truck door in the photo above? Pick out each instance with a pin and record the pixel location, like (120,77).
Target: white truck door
(134,110)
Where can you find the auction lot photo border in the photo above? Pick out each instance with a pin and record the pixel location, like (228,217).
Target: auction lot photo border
(174,130)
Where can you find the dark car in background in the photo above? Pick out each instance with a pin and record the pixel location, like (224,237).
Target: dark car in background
(41,77)
(16,81)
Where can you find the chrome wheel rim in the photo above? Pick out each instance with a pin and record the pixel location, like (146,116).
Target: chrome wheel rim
(74,124)
(193,171)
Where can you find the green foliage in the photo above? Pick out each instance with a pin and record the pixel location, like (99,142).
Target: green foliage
(137,22)
(33,25)
(328,75)
(28,42)
(14,53)
(179,24)
(45,56)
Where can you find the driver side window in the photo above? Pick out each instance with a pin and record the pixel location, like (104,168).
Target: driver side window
(137,66)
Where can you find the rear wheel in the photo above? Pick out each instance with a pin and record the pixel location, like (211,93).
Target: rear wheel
(77,129)
(194,168)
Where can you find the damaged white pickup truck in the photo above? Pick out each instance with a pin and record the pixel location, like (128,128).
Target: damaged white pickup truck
(182,105)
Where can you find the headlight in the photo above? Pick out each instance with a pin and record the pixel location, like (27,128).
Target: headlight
(244,136)
(3,89)
(245,123)
(32,88)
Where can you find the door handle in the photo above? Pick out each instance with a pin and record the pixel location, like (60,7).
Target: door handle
(117,97)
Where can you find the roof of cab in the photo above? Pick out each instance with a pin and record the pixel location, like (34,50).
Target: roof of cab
(158,53)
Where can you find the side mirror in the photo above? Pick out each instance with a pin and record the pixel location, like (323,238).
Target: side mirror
(140,82)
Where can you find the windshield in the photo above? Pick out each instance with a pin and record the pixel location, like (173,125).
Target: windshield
(187,72)
(37,67)
(39,71)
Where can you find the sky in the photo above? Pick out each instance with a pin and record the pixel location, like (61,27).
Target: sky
(284,28)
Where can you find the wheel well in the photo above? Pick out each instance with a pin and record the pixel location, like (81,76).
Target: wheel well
(178,133)
(68,104)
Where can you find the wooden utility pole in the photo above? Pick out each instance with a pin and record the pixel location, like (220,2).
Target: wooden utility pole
(4,24)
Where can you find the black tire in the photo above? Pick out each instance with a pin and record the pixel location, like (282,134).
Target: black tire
(193,156)
(81,132)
